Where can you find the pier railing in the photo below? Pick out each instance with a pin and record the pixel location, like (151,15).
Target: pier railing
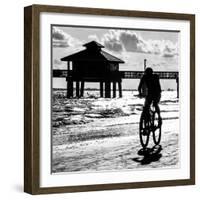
(108,77)
(120,74)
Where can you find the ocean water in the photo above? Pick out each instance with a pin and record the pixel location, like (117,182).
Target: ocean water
(81,118)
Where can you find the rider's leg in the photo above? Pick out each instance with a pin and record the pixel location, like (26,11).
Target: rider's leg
(146,115)
(157,109)
(155,102)
(147,104)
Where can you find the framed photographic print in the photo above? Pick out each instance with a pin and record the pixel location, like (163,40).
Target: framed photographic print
(109,99)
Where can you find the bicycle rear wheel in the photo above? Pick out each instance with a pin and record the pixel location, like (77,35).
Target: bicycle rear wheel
(157,129)
(144,131)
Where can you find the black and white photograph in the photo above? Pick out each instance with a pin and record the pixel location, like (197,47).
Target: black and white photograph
(114,99)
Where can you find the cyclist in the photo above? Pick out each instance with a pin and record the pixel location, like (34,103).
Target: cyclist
(153,95)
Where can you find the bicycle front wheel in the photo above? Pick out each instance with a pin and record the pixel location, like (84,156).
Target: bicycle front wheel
(144,130)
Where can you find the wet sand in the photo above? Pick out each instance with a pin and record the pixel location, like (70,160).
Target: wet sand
(119,151)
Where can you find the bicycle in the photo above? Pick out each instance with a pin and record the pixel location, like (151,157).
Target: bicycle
(150,122)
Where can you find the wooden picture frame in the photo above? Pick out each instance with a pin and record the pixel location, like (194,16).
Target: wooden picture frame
(32,105)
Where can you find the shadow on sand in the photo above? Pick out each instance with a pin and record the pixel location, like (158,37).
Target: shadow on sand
(149,155)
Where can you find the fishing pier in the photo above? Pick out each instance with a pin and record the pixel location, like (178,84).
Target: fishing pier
(95,65)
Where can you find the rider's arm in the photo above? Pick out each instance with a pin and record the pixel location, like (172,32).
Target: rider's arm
(159,86)
(140,85)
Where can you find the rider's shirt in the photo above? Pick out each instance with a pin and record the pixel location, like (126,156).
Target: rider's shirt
(152,83)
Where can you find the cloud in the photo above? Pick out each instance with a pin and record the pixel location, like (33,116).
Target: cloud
(112,41)
(113,45)
(151,46)
(170,50)
(129,41)
(164,48)
(58,34)
(62,39)
(57,62)
(93,37)
(122,40)
(61,44)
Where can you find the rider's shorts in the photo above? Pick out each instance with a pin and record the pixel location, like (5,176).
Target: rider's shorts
(155,99)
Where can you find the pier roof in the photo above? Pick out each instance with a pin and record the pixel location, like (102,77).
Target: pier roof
(92,52)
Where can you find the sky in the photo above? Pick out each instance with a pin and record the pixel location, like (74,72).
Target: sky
(159,48)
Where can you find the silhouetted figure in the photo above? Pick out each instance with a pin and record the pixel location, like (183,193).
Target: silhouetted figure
(153,89)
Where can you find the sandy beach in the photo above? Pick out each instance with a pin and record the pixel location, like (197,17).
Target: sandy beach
(102,134)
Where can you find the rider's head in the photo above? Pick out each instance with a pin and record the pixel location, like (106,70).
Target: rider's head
(148,71)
